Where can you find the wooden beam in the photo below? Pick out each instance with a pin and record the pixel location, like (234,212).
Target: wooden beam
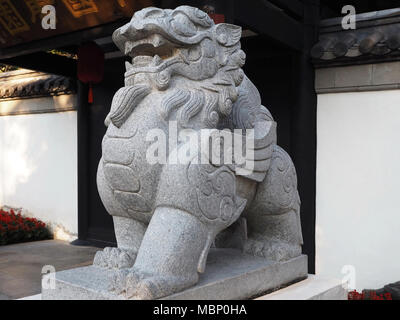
(293,6)
(271,22)
(73,38)
(83,160)
(45,62)
(304,130)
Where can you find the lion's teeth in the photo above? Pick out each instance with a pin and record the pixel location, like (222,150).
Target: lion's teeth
(141,61)
(157,60)
(157,40)
(128,47)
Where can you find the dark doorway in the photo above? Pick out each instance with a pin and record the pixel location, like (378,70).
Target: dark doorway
(285,80)
(95,224)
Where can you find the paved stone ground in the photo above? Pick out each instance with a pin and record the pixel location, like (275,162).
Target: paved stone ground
(21,264)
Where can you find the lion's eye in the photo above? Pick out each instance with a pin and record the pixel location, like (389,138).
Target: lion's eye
(183,26)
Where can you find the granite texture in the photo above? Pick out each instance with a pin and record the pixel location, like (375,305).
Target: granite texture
(312,288)
(229,275)
(186,75)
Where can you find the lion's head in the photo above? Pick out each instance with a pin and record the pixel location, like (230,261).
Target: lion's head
(183,53)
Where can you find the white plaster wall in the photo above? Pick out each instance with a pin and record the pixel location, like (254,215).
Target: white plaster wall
(358,186)
(38,166)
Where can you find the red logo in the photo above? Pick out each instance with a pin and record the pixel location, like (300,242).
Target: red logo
(369,295)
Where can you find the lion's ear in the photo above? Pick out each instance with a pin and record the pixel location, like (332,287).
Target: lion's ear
(228,34)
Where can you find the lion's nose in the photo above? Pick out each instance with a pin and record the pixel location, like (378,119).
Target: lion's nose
(124,30)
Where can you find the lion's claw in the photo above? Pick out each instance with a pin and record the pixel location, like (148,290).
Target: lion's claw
(114,258)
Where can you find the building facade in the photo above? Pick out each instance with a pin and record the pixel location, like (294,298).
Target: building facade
(358,129)
(334,92)
(38,148)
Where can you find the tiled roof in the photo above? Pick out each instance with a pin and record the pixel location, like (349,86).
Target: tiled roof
(376,38)
(26,83)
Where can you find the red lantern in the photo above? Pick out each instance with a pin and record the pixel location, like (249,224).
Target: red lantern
(90,65)
(218,18)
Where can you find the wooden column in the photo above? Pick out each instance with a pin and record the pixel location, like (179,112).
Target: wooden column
(83,160)
(304,128)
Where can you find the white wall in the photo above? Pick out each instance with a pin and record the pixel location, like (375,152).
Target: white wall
(358,186)
(38,166)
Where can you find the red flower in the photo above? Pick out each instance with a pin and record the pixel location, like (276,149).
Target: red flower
(17,228)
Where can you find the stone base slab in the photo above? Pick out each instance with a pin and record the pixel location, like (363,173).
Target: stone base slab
(312,288)
(230,275)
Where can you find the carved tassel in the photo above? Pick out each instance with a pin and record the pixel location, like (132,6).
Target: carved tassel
(90,94)
(125,101)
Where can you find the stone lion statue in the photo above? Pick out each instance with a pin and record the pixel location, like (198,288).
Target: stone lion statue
(167,216)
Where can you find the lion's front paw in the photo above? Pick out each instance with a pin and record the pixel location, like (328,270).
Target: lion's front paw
(139,286)
(272,249)
(114,258)
(154,287)
(117,282)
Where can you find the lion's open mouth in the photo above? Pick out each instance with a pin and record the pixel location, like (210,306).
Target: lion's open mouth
(152,51)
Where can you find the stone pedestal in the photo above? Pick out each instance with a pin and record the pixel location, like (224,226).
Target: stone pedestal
(312,288)
(229,275)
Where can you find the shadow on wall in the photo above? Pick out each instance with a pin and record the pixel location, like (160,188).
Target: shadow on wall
(38,166)
(17,164)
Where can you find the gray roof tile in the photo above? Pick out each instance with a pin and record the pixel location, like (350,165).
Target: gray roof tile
(27,83)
